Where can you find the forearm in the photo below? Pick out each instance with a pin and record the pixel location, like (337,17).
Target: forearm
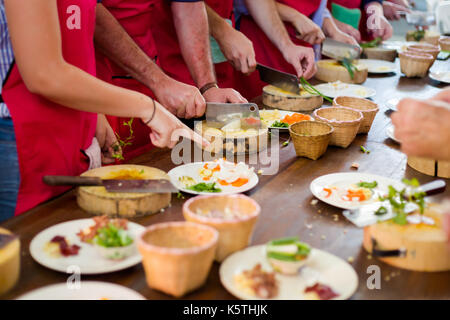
(288,14)
(265,14)
(217,25)
(329,27)
(114,42)
(191,23)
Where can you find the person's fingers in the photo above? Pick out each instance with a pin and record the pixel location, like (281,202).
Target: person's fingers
(296,63)
(190,108)
(181,111)
(237,64)
(184,131)
(251,62)
(200,105)
(309,65)
(154,138)
(244,64)
(233,96)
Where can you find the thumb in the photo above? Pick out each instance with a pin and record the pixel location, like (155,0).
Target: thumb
(200,105)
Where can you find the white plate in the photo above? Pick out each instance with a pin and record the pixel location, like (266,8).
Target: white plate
(346,179)
(192,170)
(443,76)
(283,113)
(88,260)
(87,290)
(321,267)
(345,89)
(390,133)
(379,66)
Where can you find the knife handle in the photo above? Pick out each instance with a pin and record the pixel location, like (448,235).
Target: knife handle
(72,181)
(433,187)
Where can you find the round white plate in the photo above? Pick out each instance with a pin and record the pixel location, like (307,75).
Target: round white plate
(192,170)
(283,113)
(88,260)
(86,290)
(334,90)
(390,133)
(379,66)
(443,76)
(321,267)
(346,179)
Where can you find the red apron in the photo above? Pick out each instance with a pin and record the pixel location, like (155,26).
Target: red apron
(169,53)
(50,137)
(355,4)
(135,17)
(266,52)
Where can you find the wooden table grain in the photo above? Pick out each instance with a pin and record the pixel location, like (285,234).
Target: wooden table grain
(286,210)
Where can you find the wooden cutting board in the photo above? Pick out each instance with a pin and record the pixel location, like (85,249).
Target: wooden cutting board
(332,71)
(276,98)
(97,201)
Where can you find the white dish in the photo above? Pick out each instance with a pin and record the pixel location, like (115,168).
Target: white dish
(379,66)
(87,290)
(443,76)
(337,89)
(391,134)
(88,260)
(192,170)
(321,267)
(345,180)
(282,115)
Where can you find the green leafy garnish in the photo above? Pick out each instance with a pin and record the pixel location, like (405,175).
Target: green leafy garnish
(112,237)
(302,252)
(180,195)
(372,44)
(278,124)
(381,211)
(366,151)
(205,187)
(367,185)
(312,90)
(286,143)
(122,143)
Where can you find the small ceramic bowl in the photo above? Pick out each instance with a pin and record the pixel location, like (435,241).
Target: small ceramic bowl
(233,216)
(177,256)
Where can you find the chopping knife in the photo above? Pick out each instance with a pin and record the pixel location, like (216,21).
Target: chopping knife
(279,79)
(365,215)
(418,18)
(220,114)
(114,186)
(340,51)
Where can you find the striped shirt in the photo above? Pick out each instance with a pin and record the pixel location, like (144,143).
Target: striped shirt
(6,55)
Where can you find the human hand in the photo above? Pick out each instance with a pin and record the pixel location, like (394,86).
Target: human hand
(107,140)
(345,38)
(302,59)
(392,11)
(348,29)
(167,129)
(377,23)
(238,49)
(308,31)
(423,128)
(223,96)
(180,99)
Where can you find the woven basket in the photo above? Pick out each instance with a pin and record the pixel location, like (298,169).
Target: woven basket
(415,64)
(310,138)
(368,108)
(445,43)
(345,121)
(426,48)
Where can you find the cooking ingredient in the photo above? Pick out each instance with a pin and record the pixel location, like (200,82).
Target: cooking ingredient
(112,236)
(278,124)
(350,66)
(257,282)
(294,118)
(360,194)
(320,292)
(328,191)
(87,235)
(59,246)
(205,187)
(381,211)
(187,181)
(363,149)
(121,144)
(287,255)
(372,44)
(312,90)
(368,185)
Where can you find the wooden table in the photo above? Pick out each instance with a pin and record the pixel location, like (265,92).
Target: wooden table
(286,211)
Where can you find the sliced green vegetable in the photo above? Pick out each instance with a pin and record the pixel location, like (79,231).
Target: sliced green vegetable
(312,90)
(381,211)
(112,237)
(363,149)
(278,124)
(372,44)
(351,68)
(283,241)
(368,185)
(205,187)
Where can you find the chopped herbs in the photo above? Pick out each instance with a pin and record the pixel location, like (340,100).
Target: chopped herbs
(180,195)
(372,44)
(381,211)
(286,143)
(303,249)
(367,185)
(366,151)
(205,187)
(350,66)
(278,124)
(112,237)
(122,143)
(312,90)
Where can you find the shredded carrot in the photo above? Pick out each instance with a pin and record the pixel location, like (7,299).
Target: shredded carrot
(328,191)
(223,183)
(359,194)
(294,118)
(239,182)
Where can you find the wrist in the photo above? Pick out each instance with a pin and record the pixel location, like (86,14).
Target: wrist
(149,112)
(208,87)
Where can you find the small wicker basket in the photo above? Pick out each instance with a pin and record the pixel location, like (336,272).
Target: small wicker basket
(445,43)
(368,108)
(345,121)
(310,138)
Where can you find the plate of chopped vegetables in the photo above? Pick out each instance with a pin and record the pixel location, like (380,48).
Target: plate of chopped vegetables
(351,190)
(280,119)
(88,246)
(214,177)
(338,88)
